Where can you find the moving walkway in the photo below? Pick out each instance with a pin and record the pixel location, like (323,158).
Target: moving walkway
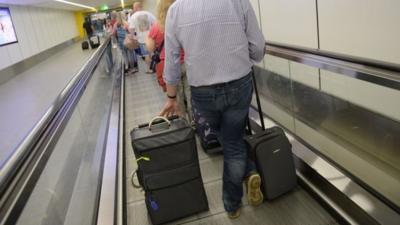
(75,166)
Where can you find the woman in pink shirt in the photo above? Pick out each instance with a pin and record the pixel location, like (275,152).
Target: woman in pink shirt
(155,41)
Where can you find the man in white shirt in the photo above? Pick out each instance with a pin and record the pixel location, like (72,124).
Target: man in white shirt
(140,23)
(222,41)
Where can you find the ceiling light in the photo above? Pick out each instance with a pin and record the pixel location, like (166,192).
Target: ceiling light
(104,7)
(122,4)
(76,4)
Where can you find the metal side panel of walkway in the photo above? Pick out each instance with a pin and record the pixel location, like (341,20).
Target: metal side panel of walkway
(143,100)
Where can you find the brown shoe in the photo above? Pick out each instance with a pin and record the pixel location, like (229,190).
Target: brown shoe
(234,215)
(253,184)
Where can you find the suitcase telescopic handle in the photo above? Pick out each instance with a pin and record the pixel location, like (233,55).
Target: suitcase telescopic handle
(159,118)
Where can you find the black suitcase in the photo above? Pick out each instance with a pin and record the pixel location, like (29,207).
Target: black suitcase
(94,41)
(272,152)
(168,170)
(207,136)
(273,156)
(85,45)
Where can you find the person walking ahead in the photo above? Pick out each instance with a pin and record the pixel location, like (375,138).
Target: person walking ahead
(140,23)
(87,25)
(221,40)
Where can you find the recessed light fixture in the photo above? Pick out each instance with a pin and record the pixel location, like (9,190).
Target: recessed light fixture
(76,4)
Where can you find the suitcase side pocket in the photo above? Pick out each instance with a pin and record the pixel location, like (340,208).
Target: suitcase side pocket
(175,202)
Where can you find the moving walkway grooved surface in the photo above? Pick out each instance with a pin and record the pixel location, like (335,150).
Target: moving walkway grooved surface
(143,100)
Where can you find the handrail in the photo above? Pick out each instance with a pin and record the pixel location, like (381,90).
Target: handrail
(121,206)
(343,57)
(112,194)
(11,166)
(384,75)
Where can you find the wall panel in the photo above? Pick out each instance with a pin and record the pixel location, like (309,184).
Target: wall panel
(4,58)
(59,35)
(46,16)
(14,52)
(26,49)
(49,17)
(30,32)
(37,29)
(19,32)
(376,98)
(44,27)
(290,22)
(363,28)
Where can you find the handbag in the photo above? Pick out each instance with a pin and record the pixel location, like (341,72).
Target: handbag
(156,57)
(130,42)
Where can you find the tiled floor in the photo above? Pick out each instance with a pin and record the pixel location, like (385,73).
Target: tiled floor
(144,100)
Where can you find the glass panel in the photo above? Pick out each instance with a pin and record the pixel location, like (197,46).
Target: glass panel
(370,139)
(275,96)
(67,190)
(364,142)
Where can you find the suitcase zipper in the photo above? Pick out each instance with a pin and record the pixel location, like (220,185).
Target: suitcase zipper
(155,135)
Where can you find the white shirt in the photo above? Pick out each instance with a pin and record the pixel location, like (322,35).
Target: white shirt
(141,22)
(221,40)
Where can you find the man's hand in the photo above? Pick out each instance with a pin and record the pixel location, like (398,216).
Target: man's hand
(170,108)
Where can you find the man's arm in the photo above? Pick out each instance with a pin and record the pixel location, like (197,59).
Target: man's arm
(172,67)
(254,35)
(172,70)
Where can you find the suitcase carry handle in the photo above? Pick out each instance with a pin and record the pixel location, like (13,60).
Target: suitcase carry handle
(135,172)
(134,184)
(158,121)
(260,113)
(159,118)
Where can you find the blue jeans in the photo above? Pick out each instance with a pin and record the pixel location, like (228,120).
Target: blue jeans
(132,57)
(129,57)
(225,107)
(143,50)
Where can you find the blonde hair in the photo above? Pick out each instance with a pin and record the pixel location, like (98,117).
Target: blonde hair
(120,18)
(162,9)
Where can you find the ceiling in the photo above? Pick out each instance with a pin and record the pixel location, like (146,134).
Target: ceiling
(58,5)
